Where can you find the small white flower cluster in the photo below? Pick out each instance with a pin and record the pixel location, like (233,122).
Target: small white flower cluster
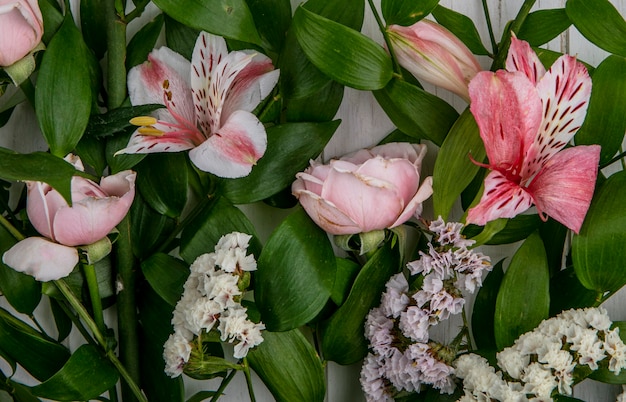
(543,360)
(402,357)
(621,397)
(210,301)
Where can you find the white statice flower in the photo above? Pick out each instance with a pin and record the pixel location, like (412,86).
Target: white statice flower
(249,337)
(433,370)
(621,397)
(589,347)
(222,288)
(538,380)
(615,348)
(231,253)
(176,352)
(201,315)
(233,240)
(378,329)
(513,361)
(372,382)
(395,299)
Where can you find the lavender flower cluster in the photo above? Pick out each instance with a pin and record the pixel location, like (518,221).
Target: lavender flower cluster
(543,361)
(402,356)
(211,301)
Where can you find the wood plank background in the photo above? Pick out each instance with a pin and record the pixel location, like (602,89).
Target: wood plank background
(364,123)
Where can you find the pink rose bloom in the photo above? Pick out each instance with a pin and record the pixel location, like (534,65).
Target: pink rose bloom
(432,53)
(95,211)
(21,27)
(371,189)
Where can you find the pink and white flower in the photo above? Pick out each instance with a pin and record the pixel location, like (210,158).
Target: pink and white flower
(526,117)
(208,105)
(21,28)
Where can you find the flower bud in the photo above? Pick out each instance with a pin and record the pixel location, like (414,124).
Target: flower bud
(21,28)
(433,54)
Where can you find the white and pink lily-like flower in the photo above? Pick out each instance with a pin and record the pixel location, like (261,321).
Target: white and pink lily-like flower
(526,117)
(96,209)
(208,105)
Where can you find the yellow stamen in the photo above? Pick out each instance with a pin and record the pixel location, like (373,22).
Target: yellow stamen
(143,121)
(147,130)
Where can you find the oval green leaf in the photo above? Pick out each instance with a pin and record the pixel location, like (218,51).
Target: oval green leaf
(416,112)
(484,309)
(454,170)
(229,18)
(343,339)
(524,298)
(406,12)
(598,251)
(69,383)
(605,123)
(542,26)
(166,275)
(289,367)
(462,27)
(144,42)
(272,19)
(343,54)
(599,22)
(290,148)
(567,292)
(147,228)
(295,275)
(162,181)
(63,94)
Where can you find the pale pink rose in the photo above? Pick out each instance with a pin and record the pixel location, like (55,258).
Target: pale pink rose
(368,190)
(95,211)
(432,53)
(21,27)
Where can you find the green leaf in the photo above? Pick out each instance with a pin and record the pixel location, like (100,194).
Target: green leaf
(180,38)
(542,26)
(162,181)
(118,163)
(484,309)
(69,383)
(416,112)
(600,22)
(406,12)
(229,18)
(462,27)
(606,116)
(52,18)
(516,229)
(296,272)
(567,292)
(319,107)
(289,366)
(289,150)
(272,19)
(598,251)
(92,152)
(38,166)
(63,95)
(524,298)
(355,60)
(148,228)
(143,42)
(166,275)
(22,291)
(93,23)
(454,170)
(603,374)
(201,396)
(343,339)
(347,272)
(213,222)
(61,320)
(116,120)
(554,236)
(39,355)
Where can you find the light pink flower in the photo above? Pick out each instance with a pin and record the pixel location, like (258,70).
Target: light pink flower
(364,191)
(209,103)
(432,53)
(95,211)
(526,117)
(21,28)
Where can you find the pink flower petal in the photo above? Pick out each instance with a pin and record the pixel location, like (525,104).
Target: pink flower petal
(119,184)
(564,91)
(253,84)
(400,173)
(564,187)
(41,205)
(501,199)
(42,259)
(507,109)
(234,149)
(148,144)
(22,29)
(523,58)
(414,206)
(324,213)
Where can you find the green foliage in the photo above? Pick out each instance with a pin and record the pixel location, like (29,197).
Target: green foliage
(462,27)
(600,23)
(406,12)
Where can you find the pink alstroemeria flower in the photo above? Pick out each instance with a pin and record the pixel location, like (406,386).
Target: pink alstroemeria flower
(96,209)
(209,103)
(526,116)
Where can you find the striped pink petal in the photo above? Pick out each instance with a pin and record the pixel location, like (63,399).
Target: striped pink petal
(523,59)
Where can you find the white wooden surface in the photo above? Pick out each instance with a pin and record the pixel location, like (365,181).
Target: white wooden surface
(364,123)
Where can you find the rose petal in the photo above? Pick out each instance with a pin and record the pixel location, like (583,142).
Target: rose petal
(564,187)
(42,259)
(401,173)
(42,203)
(21,31)
(325,214)
(414,207)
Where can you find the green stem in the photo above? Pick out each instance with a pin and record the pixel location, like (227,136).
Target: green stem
(139,9)
(492,37)
(10,228)
(78,323)
(246,371)
(612,161)
(515,26)
(381,26)
(94,294)
(116,56)
(223,385)
(126,305)
(93,327)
